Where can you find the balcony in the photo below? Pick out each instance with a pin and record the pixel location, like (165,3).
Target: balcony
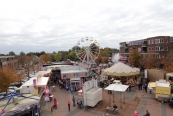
(144,45)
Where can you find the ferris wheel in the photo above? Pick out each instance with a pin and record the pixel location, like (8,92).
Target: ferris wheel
(87,50)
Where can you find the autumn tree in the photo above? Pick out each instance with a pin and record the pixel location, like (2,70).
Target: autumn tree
(21,76)
(45,58)
(7,77)
(135,58)
(168,62)
(58,56)
(98,60)
(149,61)
(21,59)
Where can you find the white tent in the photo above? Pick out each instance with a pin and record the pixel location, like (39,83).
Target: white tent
(28,86)
(121,69)
(118,87)
(42,81)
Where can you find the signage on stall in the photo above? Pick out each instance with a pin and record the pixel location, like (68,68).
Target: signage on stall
(72,75)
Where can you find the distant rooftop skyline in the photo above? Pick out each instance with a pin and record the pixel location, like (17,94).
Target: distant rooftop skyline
(57,25)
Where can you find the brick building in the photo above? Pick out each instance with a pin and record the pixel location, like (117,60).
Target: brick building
(9,62)
(159,46)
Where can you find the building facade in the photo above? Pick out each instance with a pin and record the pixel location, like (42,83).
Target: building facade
(159,46)
(8,62)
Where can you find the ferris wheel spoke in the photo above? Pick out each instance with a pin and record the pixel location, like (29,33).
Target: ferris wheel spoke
(81,55)
(92,55)
(80,52)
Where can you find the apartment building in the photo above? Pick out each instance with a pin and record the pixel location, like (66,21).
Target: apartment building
(159,45)
(9,62)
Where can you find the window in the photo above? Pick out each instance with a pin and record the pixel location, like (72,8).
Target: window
(152,41)
(157,48)
(148,41)
(166,40)
(161,41)
(148,48)
(161,48)
(157,41)
(157,56)
(139,49)
(166,48)
(152,48)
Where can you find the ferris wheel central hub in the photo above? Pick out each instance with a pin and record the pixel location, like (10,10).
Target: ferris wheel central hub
(87,49)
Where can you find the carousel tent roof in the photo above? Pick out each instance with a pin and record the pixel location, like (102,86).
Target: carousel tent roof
(120,69)
(117,87)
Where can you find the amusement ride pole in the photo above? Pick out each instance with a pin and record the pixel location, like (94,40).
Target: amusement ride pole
(120,101)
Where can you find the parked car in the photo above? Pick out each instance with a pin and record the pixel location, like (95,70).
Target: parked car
(13,87)
(17,84)
(11,90)
(4,94)
(1,96)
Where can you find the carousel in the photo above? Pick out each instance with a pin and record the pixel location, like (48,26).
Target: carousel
(122,76)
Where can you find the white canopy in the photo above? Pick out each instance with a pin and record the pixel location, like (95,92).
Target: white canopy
(121,69)
(40,82)
(117,87)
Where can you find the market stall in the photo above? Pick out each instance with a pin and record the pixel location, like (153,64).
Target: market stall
(73,76)
(162,89)
(33,84)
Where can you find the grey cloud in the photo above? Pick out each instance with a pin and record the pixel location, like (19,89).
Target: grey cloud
(109,26)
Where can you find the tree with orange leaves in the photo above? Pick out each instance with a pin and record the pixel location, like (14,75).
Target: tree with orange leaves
(44,58)
(135,58)
(169,67)
(168,62)
(7,77)
(149,61)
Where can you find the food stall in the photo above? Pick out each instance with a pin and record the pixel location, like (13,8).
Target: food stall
(73,76)
(162,90)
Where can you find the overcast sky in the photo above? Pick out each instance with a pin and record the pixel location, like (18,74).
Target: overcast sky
(55,25)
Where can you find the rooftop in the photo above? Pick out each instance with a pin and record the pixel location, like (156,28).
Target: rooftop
(7,56)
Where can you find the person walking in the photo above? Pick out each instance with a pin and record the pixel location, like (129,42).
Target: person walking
(147,113)
(138,85)
(69,105)
(136,113)
(78,103)
(145,87)
(73,99)
(130,87)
